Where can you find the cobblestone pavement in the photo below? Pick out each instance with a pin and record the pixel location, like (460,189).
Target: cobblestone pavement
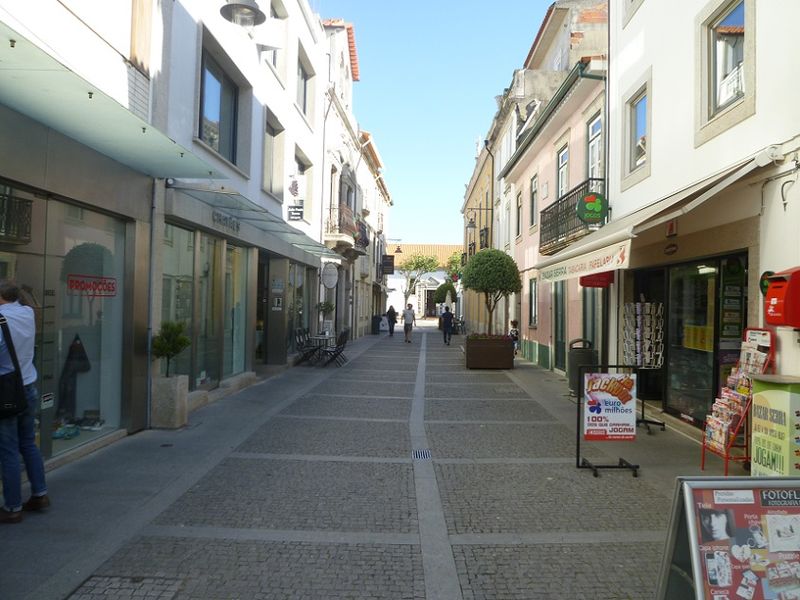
(400,475)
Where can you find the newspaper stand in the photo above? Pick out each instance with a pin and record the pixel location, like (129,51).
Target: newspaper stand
(580,462)
(735,446)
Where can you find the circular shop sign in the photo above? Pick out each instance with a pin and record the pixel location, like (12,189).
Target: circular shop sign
(592,208)
(330,275)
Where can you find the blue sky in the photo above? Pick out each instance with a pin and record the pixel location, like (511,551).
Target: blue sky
(430,71)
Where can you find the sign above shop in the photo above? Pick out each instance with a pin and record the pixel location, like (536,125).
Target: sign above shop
(295,213)
(597,280)
(387,264)
(610,258)
(220,219)
(592,208)
(329,276)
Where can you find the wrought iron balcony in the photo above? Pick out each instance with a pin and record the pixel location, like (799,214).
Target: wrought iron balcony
(341,221)
(560,225)
(15,218)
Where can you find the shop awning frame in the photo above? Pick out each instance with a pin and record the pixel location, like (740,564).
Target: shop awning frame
(35,84)
(244,209)
(627,227)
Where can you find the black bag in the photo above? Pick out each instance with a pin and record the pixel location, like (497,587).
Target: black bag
(12,392)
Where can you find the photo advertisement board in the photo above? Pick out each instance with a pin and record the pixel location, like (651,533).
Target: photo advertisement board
(733,538)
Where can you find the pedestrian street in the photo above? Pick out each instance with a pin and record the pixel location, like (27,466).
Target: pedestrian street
(398,475)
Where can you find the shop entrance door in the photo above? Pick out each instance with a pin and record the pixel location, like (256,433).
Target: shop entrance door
(560,325)
(261,310)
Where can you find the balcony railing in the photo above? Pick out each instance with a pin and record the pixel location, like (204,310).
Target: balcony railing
(560,225)
(340,220)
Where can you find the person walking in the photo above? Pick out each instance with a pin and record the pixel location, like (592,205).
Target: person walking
(514,334)
(447,325)
(17,436)
(409,320)
(391,318)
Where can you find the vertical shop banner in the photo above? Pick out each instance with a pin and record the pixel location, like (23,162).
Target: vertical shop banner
(609,407)
(775,427)
(748,542)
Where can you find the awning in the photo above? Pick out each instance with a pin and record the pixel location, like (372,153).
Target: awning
(606,249)
(35,84)
(240,207)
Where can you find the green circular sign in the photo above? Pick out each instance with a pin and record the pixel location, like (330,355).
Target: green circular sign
(592,208)
(763,283)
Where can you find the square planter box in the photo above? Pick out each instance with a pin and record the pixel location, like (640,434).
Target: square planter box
(489,353)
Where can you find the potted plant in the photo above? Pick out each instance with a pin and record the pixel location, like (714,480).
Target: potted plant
(325,307)
(169,406)
(494,274)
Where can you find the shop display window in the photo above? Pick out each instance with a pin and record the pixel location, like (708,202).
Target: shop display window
(176,293)
(235,310)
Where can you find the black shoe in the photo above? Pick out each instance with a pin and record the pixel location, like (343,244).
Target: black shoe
(36,503)
(7,516)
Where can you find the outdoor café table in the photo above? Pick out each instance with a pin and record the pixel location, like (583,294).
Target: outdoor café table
(321,341)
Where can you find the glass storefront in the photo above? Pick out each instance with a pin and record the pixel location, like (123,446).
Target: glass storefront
(213,305)
(706,313)
(71,271)
(297,298)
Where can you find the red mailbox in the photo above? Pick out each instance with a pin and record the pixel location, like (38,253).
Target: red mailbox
(782,303)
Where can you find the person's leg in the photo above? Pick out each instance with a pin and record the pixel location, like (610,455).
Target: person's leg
(34,465)
(9,458)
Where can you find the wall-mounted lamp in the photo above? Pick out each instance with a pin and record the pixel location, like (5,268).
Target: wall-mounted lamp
(244,13)
(398,250)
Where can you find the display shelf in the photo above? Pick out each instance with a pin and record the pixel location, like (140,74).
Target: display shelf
(726,429)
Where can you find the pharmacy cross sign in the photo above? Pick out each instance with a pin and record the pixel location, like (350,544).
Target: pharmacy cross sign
(592,208)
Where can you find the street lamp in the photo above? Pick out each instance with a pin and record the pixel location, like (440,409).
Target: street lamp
(242,12)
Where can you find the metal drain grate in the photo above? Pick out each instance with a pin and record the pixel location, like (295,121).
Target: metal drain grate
(421,454)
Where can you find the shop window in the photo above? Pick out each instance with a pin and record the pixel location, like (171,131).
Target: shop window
(219,98)
(177,289)
(235,311)
(208,312)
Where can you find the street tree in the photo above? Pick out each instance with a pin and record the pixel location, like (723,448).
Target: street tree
(493,273)
(453,267)
(413,268)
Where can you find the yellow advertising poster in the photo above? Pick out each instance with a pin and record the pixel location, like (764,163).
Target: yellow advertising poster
(775,434)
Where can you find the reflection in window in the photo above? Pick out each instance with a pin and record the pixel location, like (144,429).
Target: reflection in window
(638,150)
(177,283)
(728,57)
(218,102)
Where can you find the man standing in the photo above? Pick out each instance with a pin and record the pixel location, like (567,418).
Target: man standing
(409,320)
(447,325)
(17,436)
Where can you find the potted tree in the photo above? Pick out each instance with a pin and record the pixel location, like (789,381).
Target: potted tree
(494,274)
(169,408)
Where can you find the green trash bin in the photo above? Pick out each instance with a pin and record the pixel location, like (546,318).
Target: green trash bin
(580,353)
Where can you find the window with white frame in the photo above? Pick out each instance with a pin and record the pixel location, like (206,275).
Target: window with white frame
(305,76)
(562,175)
(727,57)
(534,200)
(219,97)
(595,148)
(637,149)
(519,214)
(533,302)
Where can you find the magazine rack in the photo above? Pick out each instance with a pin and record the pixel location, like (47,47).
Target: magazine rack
(726,430)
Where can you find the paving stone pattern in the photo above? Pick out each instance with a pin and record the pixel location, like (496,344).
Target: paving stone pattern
(251,570)
(286,435)
(321,501)
(304,495)
(347,406)
(548,572)
(545,498)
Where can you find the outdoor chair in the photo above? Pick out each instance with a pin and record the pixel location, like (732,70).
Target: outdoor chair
(336,353)
(304,346)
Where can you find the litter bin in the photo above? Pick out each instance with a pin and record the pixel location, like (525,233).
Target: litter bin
(376,324)
(580,353)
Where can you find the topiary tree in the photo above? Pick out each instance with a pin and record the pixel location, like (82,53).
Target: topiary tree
(413,268)
(440,295)
(170,341)
(493,273)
